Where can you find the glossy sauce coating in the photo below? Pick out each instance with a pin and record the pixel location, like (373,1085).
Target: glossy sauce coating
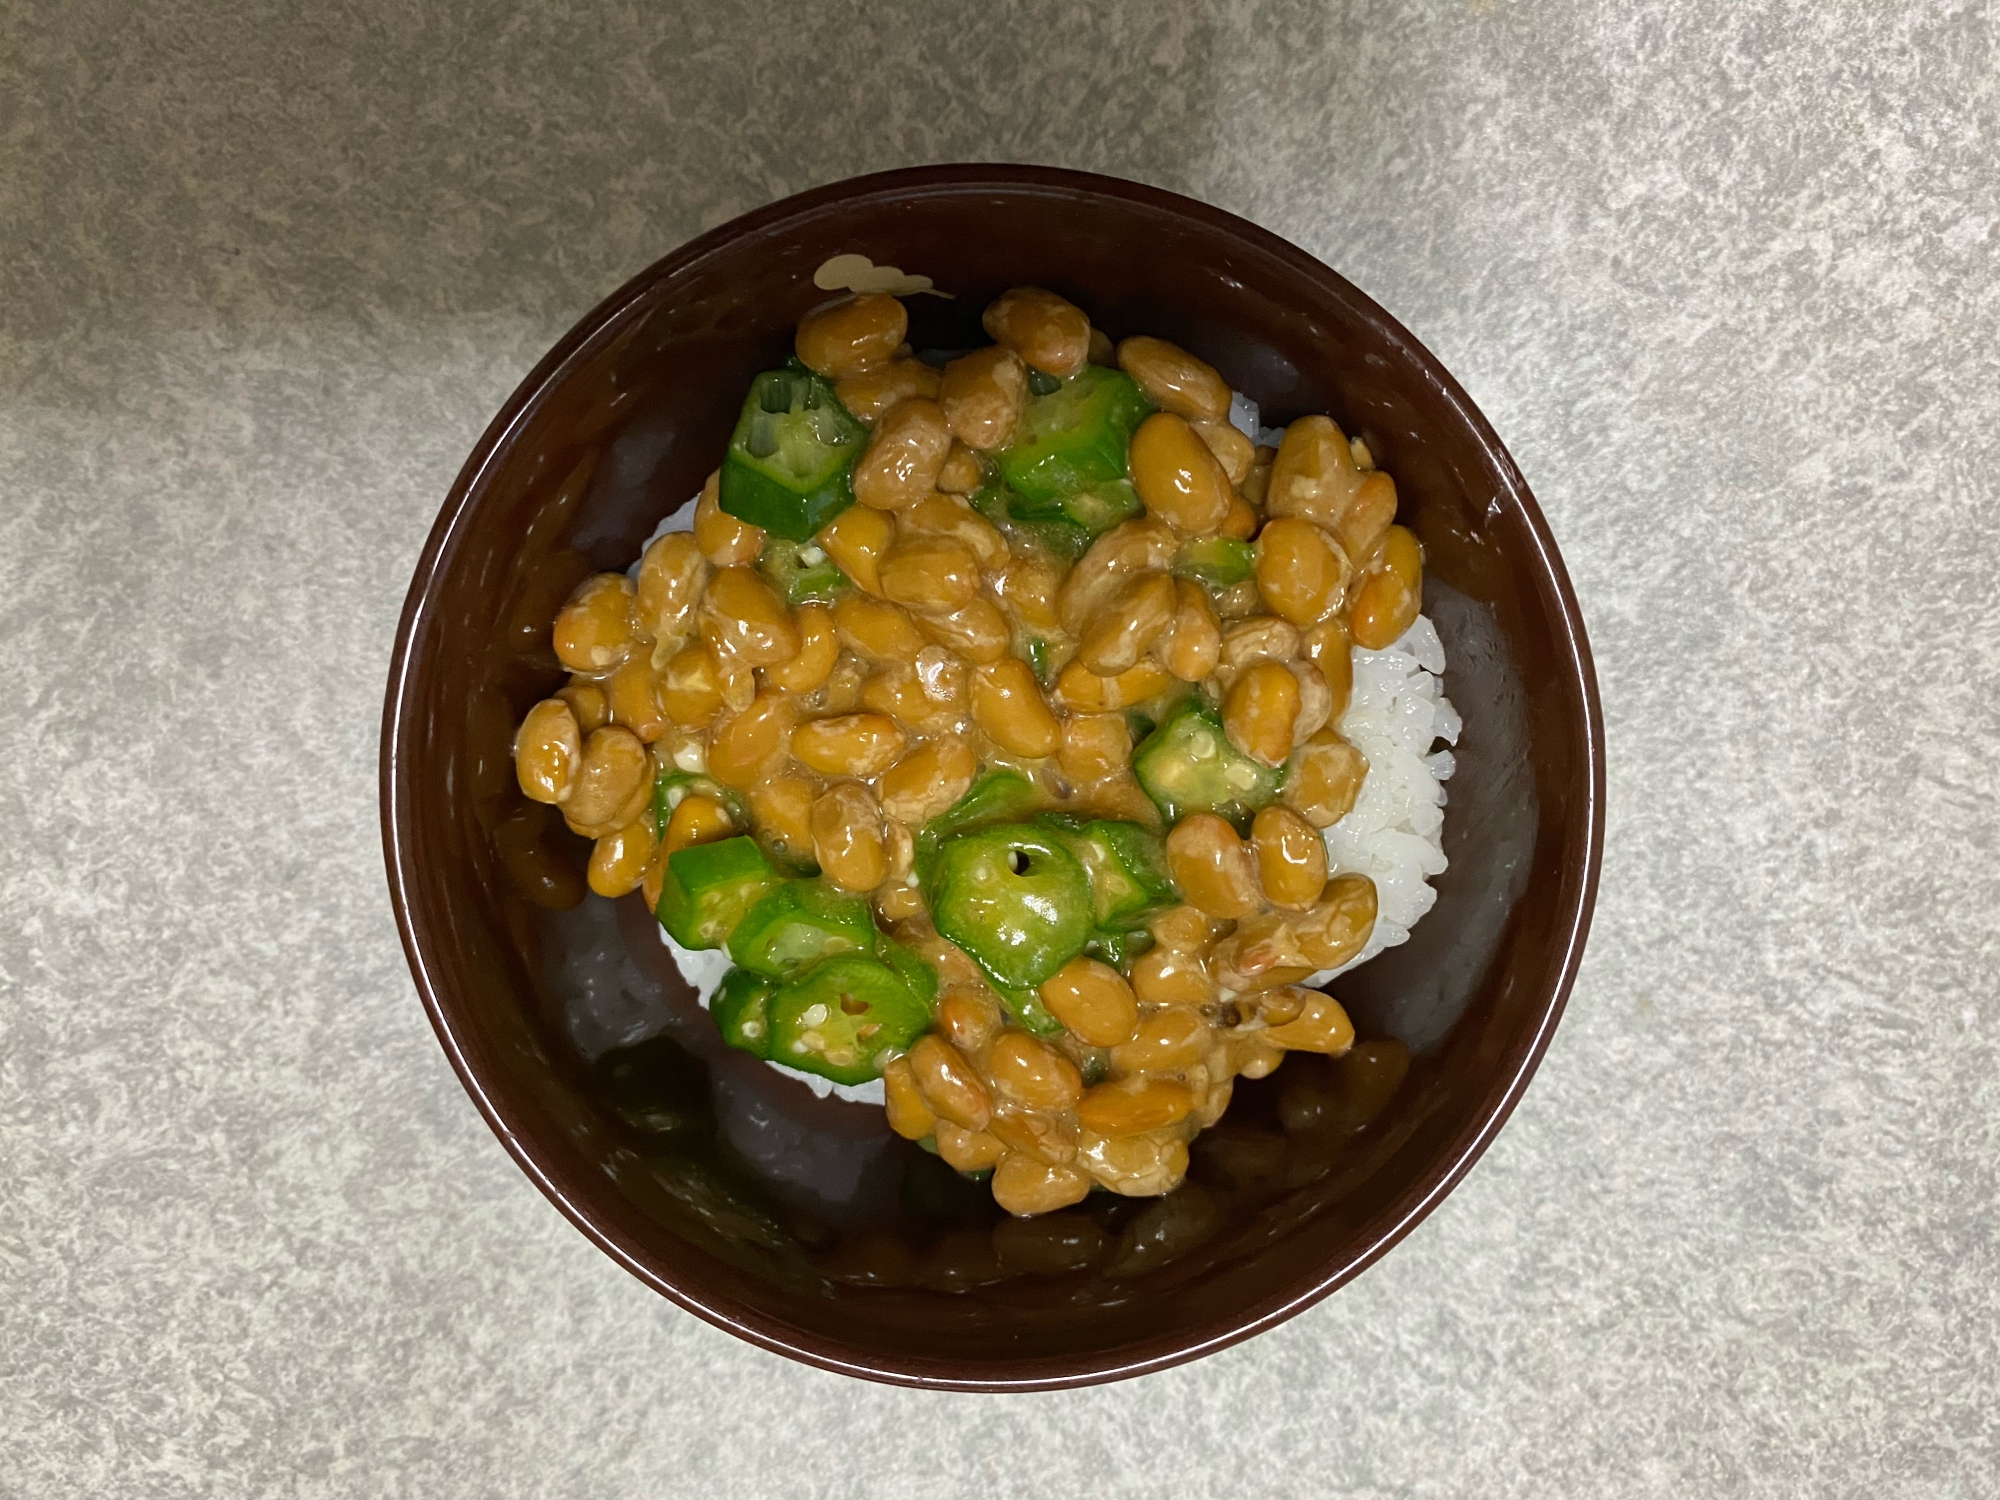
(961,644)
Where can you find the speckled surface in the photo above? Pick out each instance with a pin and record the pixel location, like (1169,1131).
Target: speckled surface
(1724,277)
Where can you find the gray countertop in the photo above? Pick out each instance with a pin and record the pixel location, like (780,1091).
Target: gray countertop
(1723,276)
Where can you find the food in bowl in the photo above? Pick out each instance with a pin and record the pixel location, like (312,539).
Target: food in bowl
(1015,736)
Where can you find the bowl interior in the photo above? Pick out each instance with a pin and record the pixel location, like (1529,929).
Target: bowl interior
(802,1223)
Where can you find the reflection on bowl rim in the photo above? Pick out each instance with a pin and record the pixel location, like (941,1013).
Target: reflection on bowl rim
(1573,653)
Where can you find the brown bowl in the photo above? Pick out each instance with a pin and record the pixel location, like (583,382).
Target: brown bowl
(802,1224)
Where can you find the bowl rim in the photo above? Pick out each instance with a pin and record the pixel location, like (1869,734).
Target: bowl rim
(1572,661)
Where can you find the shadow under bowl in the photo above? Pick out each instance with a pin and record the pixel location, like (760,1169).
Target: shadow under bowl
(803,1224)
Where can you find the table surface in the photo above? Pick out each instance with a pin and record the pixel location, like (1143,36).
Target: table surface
(1722,275)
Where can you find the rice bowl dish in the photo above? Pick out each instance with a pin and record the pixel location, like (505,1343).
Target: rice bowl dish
(1014,739)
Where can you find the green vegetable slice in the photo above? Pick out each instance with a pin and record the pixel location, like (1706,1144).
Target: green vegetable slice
(801,572)
(1040,660)
(1187,765)
(1215,562)
(708,887)
(843,1018)
(796,924)
(1103,506)
(1001,796)
(1059,537)
(913,971)
(1064,540)
(1093,509)
(1118,948)
(1014,898)
(998,796)
(1127,866)
(790,458)
(1028,1012)
(741,1010)
(1075,436)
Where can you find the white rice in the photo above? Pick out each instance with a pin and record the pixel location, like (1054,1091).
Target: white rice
(1394,834)
(1245,417)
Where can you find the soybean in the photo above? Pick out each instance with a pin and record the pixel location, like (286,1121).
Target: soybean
(962,473)
(1259,711)
(1024,1186)
(1301,571)
(951,1085)
(848,336)
(1322,1026)
(1130,1106)
(857,539)
(876,630)
(909,1116)
(1191,646)
(696,819)
(612,784)
(1114,639)
(1313,475)
(928,573)
(743,618)
(904,456)
(724,540)
(848,744)
(976,630)
(632,696)
(1337,926)
(1093,1000)
(587,702)
(1032,1073)
(1094,747)
(849,839)
(548,752)
(1212,867)
(599,624)
(1235,452)
(1177,477)
(1085,692)
(782,806)
(691,688)
(1174,380)
(1050,334)
(819,648)
(1326,782)
(754,743)
(982,395)
(1291,857)
(928,780)
(1007,703)
(872,392)
(1167,1041)
(1390,596)
(671,577)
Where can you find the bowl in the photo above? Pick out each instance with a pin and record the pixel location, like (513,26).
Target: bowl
(799,1223)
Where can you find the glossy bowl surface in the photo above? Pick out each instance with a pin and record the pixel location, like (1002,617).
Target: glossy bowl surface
(801,1224)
